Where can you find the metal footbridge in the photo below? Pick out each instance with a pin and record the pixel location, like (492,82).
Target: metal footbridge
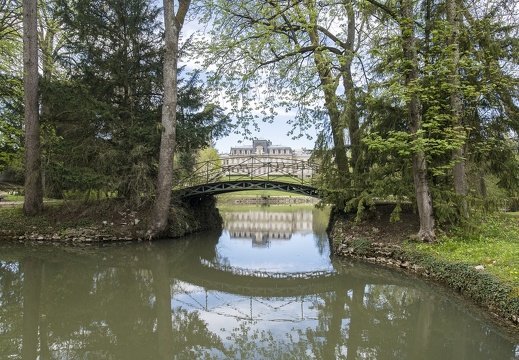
(249,173)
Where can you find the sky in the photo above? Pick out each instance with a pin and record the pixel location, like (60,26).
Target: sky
(275,132)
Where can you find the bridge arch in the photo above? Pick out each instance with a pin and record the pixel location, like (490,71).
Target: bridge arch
(223,187)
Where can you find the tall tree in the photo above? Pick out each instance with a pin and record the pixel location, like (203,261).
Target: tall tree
(106,107)
(173,23)
(11,88)
(33,203)
(414,108)
(456,104)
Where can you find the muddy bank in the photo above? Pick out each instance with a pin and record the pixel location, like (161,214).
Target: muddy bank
(377,240)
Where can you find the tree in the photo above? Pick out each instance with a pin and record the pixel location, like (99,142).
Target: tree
(453,16)
(199,121)
(173,23)
(488,44)
(104,106)
(102,96)
(421,88)
(411,74)
(272,55)
(11,84)
(284,39)
(33,203)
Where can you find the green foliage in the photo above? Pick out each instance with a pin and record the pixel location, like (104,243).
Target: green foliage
(198,121)
(112,99)
(487,126)
(102,105)
(11,91)
(361,246)
(101,129)
(198,167)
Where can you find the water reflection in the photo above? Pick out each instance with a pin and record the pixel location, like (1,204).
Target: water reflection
(196,298)
(275,240)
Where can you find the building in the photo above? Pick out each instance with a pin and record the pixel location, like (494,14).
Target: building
(264,159)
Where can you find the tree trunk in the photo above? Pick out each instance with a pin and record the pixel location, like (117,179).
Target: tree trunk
(33,203)
(351,113)
(329,87)
(46,46)
(414,105)
(459,171)
(172,27)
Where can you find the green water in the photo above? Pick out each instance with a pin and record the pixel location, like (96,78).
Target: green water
(263,288)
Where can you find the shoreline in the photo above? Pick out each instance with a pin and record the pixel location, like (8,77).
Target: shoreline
(473,283)
(100,222)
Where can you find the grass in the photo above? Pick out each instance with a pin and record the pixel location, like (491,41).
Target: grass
(494,245)
(13,220)
(14,198)
(55,217)
(258,193)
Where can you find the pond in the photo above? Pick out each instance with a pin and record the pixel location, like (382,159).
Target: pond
(263,288)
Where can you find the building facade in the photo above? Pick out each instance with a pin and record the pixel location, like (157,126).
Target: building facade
(264,159)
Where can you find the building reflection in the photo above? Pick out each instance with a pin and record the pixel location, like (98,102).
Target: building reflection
(264,226)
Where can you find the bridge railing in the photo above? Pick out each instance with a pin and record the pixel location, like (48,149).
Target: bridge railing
(268,168)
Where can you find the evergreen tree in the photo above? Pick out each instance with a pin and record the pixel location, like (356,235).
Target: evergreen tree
(113,93)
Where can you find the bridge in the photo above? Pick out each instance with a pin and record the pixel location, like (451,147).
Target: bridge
(249,173)
(213,276)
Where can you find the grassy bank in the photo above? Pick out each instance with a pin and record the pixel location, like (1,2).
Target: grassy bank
(492,247)
(256,194)
(55,218)
(264,197)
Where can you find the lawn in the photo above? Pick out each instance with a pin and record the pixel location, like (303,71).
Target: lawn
(494,244)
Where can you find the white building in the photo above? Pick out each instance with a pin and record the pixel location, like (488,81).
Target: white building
(264,159)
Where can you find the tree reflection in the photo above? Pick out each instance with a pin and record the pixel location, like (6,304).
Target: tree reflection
(11,301)
(78,311)
(32,273)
